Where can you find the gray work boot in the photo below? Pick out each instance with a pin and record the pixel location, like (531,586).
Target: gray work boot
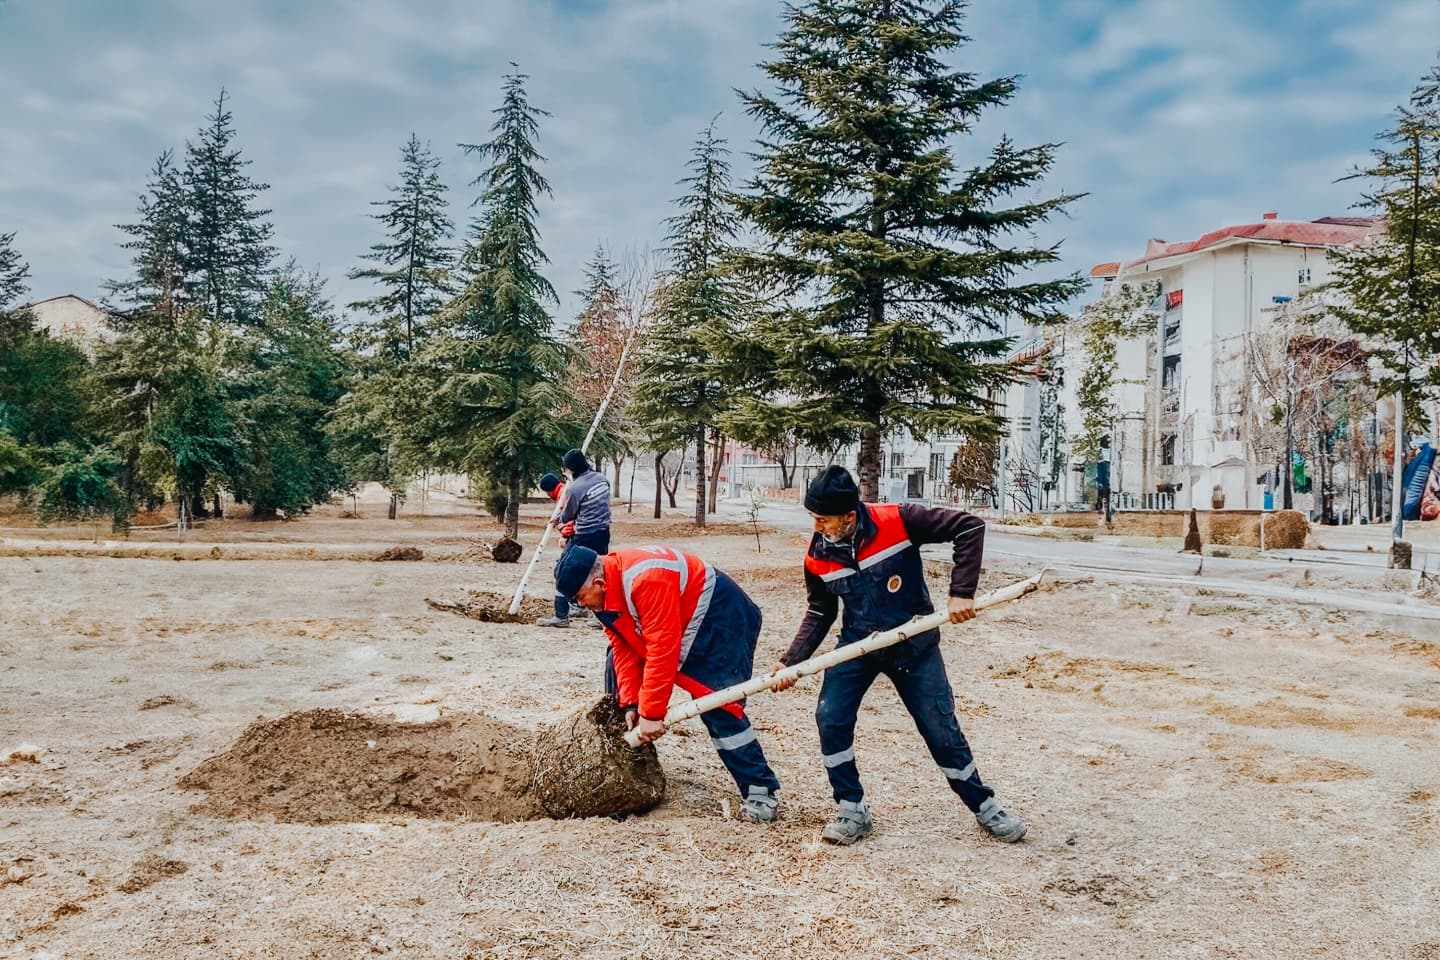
(851,823)
(999,824)
(561,622)
(760,804)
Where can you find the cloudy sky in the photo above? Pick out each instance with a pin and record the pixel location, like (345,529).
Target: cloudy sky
(1177,116)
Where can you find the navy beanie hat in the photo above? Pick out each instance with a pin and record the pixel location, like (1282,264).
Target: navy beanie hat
(549,482)
(573,570)
(833,493)
(576,463)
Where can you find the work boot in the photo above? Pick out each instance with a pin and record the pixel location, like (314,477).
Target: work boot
(553,622)
(851,823)
(760,804)
(999,824)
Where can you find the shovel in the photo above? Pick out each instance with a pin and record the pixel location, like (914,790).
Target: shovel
(851,651)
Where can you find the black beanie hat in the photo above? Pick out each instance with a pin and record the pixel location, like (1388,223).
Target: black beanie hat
(576,463)
(549,482)
(833,493)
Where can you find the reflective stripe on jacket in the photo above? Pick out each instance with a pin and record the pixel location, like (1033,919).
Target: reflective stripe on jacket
(660,597)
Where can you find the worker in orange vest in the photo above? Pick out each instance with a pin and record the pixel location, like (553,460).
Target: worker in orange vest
(673,620)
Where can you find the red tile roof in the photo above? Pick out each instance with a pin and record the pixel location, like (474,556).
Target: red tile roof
(1107,270)
(1326,232)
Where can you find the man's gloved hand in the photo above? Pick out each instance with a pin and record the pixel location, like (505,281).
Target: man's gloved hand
(568,530)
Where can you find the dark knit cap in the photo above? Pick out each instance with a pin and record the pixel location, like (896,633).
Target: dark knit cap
(549,482)
(576,463)
(573,570)
(833,493)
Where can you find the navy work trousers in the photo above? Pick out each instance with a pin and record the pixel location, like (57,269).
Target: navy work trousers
(597,540)
(920,679)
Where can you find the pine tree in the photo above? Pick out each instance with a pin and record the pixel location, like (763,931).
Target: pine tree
(1391,281)
(166,405)
(890,257)
(156,292)
(297,374)
(14,271)
(412,264)
(684,374)
(601,330)
(227,240)
(16,322)
(501,411)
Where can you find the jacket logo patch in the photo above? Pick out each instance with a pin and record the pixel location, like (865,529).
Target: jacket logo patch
(893,584)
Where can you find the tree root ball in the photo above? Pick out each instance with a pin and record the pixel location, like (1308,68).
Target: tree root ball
(582,766)
(506,551)
(327,766)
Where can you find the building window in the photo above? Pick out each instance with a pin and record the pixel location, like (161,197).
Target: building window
(915,485)
(1170,372)
(937,464)
(1304,275)
(1167,449)
(897,460)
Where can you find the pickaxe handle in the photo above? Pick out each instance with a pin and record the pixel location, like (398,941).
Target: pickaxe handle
(851,651)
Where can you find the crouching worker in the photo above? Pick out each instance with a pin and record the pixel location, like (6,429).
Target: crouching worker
(867,556)
(673,620)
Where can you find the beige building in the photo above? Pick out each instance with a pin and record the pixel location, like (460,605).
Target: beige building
(72,318)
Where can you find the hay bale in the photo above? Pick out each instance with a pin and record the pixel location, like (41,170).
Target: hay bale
(506,551)
(401,553)
(582,766)
(1286,530)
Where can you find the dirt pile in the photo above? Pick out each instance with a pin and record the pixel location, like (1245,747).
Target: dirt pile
(400,553)
(325,766)
(493,607)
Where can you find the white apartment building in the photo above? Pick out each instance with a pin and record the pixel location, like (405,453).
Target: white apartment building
(1182,392)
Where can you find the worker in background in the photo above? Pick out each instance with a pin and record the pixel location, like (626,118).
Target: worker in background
(583,519)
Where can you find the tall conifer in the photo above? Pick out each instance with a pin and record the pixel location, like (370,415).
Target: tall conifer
(900,270)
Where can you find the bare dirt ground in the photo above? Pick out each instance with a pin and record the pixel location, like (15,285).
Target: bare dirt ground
(1204,775)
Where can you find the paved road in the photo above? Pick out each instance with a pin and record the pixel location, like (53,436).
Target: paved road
(1276,575)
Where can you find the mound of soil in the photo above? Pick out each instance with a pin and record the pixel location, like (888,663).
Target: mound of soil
(401,553)
(326,766)
(323,766)
(494,607)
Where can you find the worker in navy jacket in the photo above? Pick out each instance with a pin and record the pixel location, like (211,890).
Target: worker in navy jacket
(866,558)
(583,520)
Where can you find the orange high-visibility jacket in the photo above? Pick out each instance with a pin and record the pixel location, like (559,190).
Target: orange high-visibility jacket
(660,596)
